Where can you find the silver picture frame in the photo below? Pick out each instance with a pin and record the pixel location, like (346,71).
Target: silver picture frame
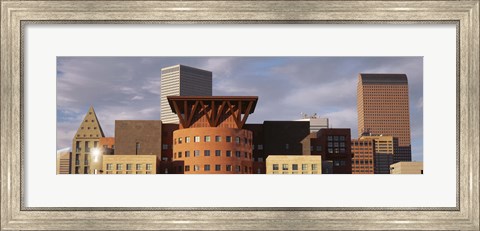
(16,14)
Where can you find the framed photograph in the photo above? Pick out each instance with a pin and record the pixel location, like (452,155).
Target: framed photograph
(89,79)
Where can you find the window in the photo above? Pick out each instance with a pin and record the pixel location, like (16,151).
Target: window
(186,154)
(245,141)
(206,152)
(342,150)
(287,146)
(294,166)
(314,166)
(149,167)
(229,153)
(218,138)
(218,153)
(206,167)
(218,167)
(164,158)
(196,139)
(237,153)
(330,144)
(196,168)
(342,138)
(137,148)
(330,138)
(229,139)
(77,146)
(139,167)
(196,152)
(337,163)
(284,166)
(207,138)
(304,166)
(164,146)
(275,166)
(129,166)
(187,168)
(95,144)
(335,138)
(237,140)
(119,166)
(237,168)
(85,162)
(109,166)
(179,140)
(187,139)
(260,159)
(87,144)
(260,147)
(245,155)
(229,168)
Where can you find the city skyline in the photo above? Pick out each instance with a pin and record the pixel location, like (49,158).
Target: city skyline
(122,88)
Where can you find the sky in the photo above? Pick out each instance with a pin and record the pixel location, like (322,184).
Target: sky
(128,88)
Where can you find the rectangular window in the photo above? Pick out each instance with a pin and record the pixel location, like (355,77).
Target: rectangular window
(342,144)
(260,159)
(260,147)
(206,167)
(330,138)
(95,144)
(206,152)
(86,160)
(237,168)
(229,139)
(229,153)
(180,154)
(335,138)
(109,167)
(139,167)
(304,166)
(294,166)
(187,168)
(218,167)
(342,150)
(87,148)
(330,144)
(229,168)
(119,166)
(287,146)
(207,138)
(137,148)
(149,167)
(245,140)
(77,146)
(218,152)
(164,146)
(319,148)
(187,153)
(196,168)
(196,139)
(342,138)
(314,166)
(218,138)
(179,140)
(275,166)
(196,152)
(245,155)
(284,166)
(237,153)
(237,140)
(129,166)
(187,139)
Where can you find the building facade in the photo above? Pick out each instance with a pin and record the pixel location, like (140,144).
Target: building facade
(129,164)
(363,152)
(63,161)
(294,164)
(85,146)
(211,138)
(407,168)
(181,80)
(383,108)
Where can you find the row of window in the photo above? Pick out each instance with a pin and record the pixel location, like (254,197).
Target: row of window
(119,167)
(336,138)
(196,153)
(127,172)
(206,139)
(87,147)
(217,168)
(363,162)
(295,167)
(313,172)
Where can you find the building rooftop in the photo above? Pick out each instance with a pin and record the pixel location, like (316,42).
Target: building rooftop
(383,78)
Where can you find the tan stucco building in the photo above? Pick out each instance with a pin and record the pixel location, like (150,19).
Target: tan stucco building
(294,164)
(407,168)
(129,164)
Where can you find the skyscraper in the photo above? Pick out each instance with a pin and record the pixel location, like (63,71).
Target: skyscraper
(383,108)
(180,80)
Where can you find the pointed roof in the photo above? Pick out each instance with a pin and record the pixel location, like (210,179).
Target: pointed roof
(90,126)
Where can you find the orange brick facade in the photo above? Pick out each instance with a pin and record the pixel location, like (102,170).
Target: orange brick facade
(362,156)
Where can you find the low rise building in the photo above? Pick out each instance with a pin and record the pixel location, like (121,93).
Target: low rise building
(407,168)
(294,164)
(129,164)
(363,156)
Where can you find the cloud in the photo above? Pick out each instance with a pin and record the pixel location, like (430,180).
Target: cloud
(129,88)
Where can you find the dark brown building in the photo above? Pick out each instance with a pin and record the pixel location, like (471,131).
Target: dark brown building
(383,108)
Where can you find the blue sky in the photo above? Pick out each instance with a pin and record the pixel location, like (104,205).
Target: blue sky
(122,88)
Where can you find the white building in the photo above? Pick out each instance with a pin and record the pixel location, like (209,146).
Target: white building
(180,80)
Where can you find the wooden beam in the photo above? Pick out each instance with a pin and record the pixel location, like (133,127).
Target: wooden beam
(247,113)
(192,113)
(177,110)
(235,118)
(219,113)
(204,110)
